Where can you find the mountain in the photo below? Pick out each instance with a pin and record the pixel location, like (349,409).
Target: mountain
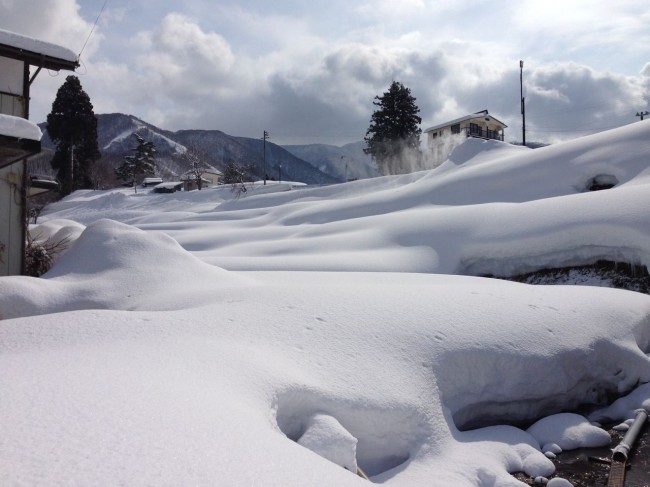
(114,135)
(346,162)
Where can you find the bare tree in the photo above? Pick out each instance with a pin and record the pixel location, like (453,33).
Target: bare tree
(102,174)
(195,163)
(238,175)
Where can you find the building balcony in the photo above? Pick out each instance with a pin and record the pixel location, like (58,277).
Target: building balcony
(480,133)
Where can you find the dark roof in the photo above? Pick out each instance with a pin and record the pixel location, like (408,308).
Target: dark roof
(13,149)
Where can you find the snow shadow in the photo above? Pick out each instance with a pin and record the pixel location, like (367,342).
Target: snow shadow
(490,387)
(387,435)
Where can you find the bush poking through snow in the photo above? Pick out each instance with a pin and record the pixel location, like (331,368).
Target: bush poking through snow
(39,256)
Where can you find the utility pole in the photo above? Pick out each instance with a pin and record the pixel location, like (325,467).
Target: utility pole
(266,136)
(642,114)
(523,103)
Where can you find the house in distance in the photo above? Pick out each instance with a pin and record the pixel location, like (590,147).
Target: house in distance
(442,138)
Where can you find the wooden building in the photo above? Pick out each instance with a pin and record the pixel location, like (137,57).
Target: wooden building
(21,59)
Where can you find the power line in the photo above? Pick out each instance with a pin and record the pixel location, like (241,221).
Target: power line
(93,28)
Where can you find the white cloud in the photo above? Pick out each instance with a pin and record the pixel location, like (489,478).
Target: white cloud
(56,21)
(187,44)
(312,71)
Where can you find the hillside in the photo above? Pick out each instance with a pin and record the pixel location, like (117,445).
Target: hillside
(348,162)
(114,134)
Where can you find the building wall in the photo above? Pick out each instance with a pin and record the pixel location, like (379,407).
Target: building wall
(11,216)
(441,146)
(11,87)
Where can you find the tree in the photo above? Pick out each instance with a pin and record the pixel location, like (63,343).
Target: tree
(393,138)
(72,125)
(237,175)
(195,163)
(143,163)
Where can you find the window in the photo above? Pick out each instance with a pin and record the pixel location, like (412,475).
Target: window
(455,129)
(474,129)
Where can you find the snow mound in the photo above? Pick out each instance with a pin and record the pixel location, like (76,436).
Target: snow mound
(559,482)
(478,150)
(625,407)
(65,232)
(116,266)
(569,431)
(325,436)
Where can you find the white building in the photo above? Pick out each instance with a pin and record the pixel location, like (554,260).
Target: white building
(442,138)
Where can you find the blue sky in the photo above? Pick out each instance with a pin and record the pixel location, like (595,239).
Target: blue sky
(307,72)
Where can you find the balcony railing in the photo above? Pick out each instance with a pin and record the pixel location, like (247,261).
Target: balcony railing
(480,133)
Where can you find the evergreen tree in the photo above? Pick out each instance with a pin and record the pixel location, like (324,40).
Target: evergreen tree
(393,138)
(72,125)
(143,163)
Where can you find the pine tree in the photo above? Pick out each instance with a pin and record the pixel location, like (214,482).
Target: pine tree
(393,138)
(143,163)
(72,125)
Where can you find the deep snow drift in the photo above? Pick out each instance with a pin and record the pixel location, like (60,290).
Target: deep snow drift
(143,359)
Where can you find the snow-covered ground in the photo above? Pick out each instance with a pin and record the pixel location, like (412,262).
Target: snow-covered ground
(287,335)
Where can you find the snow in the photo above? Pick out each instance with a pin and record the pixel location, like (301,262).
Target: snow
(35,45)
(568,431)
(558,482)
(19,128)
(276,337)
(325,436)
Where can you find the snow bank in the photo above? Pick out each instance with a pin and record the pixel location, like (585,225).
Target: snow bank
(398,361)
(136,360)
(625,407)
(506,211)
(97,272)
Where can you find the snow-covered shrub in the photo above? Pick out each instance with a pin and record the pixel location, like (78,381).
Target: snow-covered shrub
(39,256)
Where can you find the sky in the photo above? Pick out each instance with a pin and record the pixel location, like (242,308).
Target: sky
(308,72)
(206,338)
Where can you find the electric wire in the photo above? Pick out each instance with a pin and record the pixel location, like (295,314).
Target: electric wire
(93,28)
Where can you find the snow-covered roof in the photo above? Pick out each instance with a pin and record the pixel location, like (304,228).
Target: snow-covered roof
(19,138)
(19,128)
(210,172)
(168,185)
(36,52)
(482,114)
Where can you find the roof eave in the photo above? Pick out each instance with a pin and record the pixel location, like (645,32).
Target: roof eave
(38,59)
(14,149)
(463,119)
